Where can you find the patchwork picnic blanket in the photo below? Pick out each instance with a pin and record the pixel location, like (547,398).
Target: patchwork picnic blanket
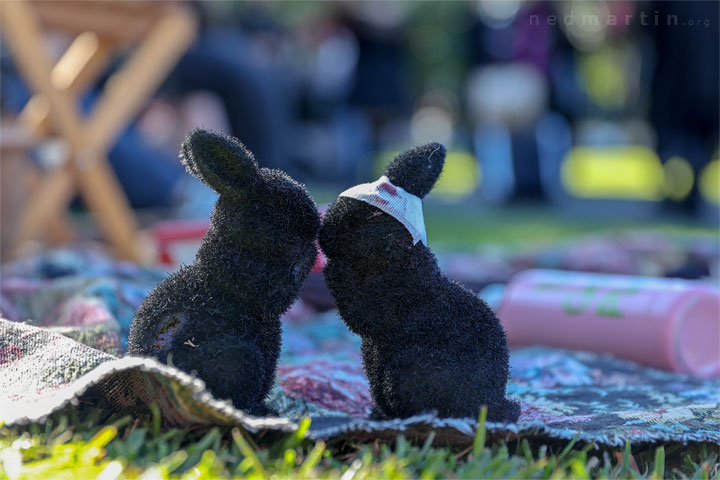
(67,314)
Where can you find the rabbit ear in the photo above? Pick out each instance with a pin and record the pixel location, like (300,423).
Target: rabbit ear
(416,170)
(219,160)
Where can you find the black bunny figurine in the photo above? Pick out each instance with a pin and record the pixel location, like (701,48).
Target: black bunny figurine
(427,342)
(220,317)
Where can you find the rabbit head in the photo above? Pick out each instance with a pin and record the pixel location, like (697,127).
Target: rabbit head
(265,200)
(355,230)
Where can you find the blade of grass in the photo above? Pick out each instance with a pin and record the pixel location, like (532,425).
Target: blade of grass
(479,441)
(312,459)
(659,467)
(248,453)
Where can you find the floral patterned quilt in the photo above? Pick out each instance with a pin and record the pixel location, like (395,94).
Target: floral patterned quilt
(67,313)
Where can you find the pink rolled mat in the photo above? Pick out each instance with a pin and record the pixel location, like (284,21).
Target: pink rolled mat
(663,323)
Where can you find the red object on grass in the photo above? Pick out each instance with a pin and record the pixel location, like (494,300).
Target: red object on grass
(175,239)
(178,240)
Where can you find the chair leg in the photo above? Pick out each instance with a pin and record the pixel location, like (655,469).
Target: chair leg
(125,93)
(107,202)
(60,231)
(129,89)
(52,194)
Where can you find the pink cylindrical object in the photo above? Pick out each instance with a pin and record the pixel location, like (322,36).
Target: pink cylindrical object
(663,323)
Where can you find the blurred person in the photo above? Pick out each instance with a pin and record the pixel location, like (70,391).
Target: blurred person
(508,91)
(253,92)
(686,83)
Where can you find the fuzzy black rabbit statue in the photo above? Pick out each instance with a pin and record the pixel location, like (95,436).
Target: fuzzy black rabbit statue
(219,317)
(428,343)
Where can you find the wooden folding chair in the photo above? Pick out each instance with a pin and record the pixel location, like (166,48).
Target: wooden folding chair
(155,35)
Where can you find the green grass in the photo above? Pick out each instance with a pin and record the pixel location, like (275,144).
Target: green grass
(96,445)
(463,226)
